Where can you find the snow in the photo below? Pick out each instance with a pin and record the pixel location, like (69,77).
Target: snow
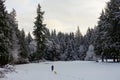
(70,70)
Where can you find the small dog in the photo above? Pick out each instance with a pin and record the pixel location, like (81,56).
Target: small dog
(55,72)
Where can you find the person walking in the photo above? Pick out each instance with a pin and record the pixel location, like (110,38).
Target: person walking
(52,68)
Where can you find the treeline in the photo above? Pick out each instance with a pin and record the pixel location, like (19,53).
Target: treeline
(16,47)
(64,46)
(105,38)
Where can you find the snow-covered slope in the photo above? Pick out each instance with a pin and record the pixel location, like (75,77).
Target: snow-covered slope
(74,70)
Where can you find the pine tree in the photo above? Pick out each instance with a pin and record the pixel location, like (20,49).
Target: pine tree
(69,51)
(53,34)
(62,44)
(12,23)
(100,35)
(108,31)
(15,36)
(78,33)
(47,34)
(89,37)
(4,36)
(28,41)
(12,34)
(78,41)
(78,38)
(113,13)
(29,38)
(40,33)
(23,51)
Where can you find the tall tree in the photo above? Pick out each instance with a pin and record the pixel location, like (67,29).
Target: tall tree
(4,35)
(13,30)
(113,13)
(29,38)
(40,33)
(108,29)
(78,37)
(23,51)
(78,33)
(100,31)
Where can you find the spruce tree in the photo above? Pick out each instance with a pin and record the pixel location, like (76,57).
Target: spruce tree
(29,38)
(78,38)
(78,41)
(23,51)
(12,23)
(100,37)
(78,33)
(47,34)
(108,31)
(69,51)
(12,34)
(15,36)
(39,33)
(113,13)
(4,36)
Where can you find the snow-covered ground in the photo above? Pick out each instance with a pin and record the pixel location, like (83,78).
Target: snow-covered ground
(71,70)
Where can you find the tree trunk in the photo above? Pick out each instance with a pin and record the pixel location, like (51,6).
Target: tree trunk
(106,59)
(117,59)
(102,59)
(113,58)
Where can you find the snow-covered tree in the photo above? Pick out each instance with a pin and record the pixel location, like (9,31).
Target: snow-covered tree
(29,38)
(113,35)
(14,32)
(81,52)
(100,36)
(70,52)
(90,55)
(78,41)
(4,35)
(23,51)
(67,46)
(40,33)
(108,34)
(78,37)
(52,51)
(89,37)
(48,34)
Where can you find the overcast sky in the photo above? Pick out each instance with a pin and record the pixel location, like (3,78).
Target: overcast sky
(62,15)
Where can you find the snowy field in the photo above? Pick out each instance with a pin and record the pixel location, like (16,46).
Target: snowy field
(71,70)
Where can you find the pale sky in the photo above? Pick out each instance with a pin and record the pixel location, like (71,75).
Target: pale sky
(62,15)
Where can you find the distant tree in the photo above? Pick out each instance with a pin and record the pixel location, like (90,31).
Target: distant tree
(23,51)
(40,33)
(48,34)
(89,37)
(78,41)
(29,47)
(29,38)
(78,33)
(69,52)
(79,36)
(53,34)
(53,51)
